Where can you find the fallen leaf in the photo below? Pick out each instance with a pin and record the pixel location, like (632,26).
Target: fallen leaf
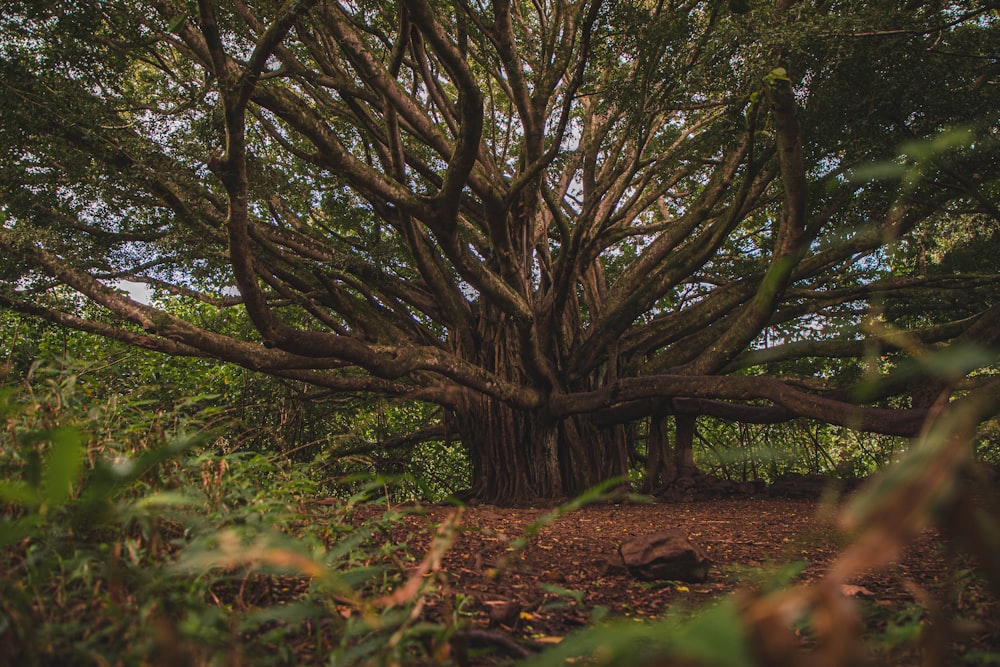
(850,590)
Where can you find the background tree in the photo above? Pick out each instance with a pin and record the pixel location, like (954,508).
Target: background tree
(550,218)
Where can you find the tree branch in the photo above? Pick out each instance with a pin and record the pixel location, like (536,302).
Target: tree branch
(874,420)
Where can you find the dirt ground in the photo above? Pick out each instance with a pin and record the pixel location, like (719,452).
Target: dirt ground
(560,581)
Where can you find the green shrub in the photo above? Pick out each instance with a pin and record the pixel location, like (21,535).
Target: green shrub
(130,536)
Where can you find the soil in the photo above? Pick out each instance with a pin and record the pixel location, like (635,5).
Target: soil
(561,580)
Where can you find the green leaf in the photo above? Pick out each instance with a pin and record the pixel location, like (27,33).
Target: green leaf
(775,75)
(166,499)
(15,531)
(63,465)
(8,407)
(291,614)
(925,149)
(562,592)
(175,24)
(715,637)
(877,171)
(20,493)
(957,361)
(950,364)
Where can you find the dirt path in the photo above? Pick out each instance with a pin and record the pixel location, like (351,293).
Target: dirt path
(560,581)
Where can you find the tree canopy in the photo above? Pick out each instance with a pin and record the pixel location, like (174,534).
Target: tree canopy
(552,218)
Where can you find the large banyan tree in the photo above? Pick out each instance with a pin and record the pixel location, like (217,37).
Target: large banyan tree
(552,218)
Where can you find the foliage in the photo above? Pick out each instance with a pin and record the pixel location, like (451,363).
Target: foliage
(483,242)
(130,536)
(546,220)
(783,621)
(746,452)
(713,637)
(127,537)
(344,437)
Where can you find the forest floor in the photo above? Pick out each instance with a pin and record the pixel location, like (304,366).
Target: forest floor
(560,582)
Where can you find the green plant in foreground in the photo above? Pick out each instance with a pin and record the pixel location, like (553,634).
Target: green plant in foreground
(157,544)
(789,622)
(122,548)
(712,636)
(75,545)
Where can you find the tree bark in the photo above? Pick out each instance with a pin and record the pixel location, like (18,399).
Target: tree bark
(520,457)
(666,463)
(661,466)
(684,445)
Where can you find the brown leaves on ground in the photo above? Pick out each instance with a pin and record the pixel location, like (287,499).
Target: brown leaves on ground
(566,577)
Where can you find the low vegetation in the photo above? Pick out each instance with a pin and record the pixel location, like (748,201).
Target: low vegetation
(137,530)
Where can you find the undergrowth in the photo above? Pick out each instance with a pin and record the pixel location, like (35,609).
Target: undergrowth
(134,534)
(130,536)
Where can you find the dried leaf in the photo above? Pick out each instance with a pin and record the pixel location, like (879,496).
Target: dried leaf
(850,591)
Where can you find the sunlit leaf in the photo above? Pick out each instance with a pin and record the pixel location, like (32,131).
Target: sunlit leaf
(166,499)
(877,171)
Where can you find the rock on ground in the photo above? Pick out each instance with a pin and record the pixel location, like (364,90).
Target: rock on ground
(665,555)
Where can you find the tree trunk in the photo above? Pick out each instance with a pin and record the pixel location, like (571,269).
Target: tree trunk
(661,467)
(521,457)
(684,446)
(666,464)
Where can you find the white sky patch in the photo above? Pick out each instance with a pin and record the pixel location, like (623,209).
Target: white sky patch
(136,291)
